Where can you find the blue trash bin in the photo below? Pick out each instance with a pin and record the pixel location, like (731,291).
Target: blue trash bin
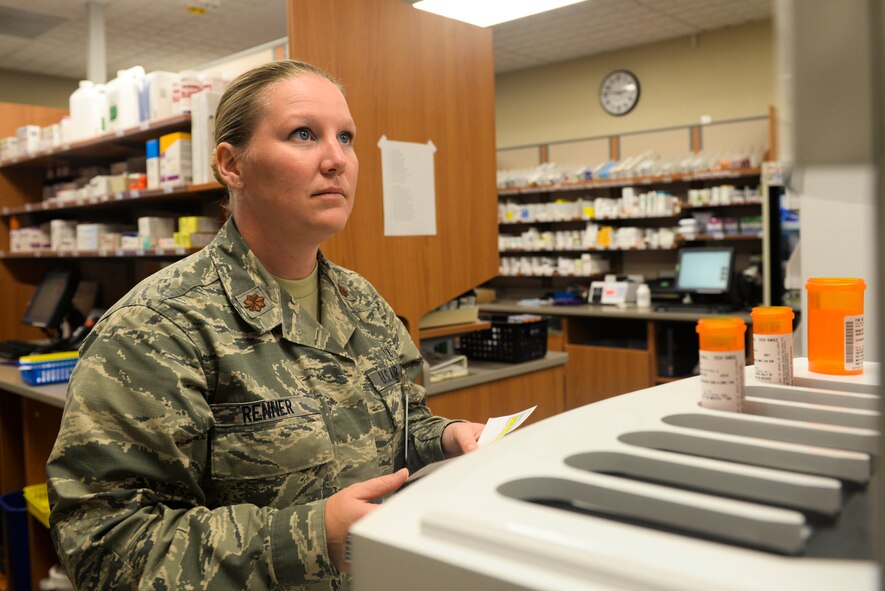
(15,533)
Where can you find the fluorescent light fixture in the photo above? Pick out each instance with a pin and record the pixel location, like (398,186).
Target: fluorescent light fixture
(485,13)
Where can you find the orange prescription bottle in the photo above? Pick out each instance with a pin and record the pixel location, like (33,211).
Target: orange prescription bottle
(722,361)
(835,325)
(773,344)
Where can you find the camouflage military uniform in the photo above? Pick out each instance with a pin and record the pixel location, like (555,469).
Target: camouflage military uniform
(208,419)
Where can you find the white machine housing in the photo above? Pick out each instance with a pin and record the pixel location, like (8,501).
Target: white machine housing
(643,491)
(612,292)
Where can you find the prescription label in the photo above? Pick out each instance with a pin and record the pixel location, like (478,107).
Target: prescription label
(722,380)
(773,358)
(854,353)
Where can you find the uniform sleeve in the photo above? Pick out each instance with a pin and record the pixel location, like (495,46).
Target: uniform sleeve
(127,476)
(425,429)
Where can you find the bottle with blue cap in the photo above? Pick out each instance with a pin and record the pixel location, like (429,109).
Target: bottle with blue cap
(152,156)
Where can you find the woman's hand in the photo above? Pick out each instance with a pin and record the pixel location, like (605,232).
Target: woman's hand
(460,438)
(348,505)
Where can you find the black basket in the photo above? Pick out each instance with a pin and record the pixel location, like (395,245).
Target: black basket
(507,342)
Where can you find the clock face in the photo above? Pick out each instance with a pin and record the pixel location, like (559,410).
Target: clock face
(619,92)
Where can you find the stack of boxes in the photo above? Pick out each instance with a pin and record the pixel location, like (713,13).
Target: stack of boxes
(195,231)
(30,239)
(151,232)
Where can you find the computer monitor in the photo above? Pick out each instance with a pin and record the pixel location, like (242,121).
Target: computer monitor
(705,270)
(52,300)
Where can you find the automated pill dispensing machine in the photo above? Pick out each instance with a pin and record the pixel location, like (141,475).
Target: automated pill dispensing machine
(649,491)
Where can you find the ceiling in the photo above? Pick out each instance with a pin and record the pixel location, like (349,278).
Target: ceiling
(50,36)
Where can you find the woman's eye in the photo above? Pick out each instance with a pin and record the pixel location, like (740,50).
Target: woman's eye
(302,133)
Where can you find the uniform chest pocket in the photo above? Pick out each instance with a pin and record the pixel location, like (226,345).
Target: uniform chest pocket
(268,439)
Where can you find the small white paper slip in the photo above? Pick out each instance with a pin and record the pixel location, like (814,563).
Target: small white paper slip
(498,427)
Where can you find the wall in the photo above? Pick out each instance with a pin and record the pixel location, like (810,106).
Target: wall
(35,89)
(245,60)
(728,75)
(828,57)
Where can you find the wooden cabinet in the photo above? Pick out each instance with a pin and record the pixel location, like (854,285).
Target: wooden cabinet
(607,357)
(613,351)
(29,424)
(543,388)
(415,77)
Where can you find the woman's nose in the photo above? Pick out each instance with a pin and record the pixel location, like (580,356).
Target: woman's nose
(334,160)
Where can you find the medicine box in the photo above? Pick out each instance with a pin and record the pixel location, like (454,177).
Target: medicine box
(197,223)
(175,159)
(152,229)
(63,234)
(29,239)
(28,139)
(130,241)
(8,148)
(89,235)
(50,137)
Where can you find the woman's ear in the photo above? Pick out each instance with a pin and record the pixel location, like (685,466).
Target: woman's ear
(228,165)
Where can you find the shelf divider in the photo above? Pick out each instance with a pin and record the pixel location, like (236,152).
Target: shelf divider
(453,329)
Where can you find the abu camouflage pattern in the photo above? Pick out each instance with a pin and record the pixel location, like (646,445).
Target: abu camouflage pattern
(208,419)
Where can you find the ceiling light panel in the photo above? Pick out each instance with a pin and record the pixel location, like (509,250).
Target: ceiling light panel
(485,13)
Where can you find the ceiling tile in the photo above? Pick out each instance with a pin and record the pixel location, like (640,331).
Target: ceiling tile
(161,34)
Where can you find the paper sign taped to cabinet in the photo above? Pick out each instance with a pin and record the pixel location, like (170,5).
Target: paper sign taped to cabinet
(409,187)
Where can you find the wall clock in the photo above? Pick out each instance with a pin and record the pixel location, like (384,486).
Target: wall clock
(619,92)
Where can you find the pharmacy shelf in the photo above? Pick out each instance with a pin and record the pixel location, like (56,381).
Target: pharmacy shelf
(581,251)
(106,147)
(626,182)
(753,204)
(173,253)
(120,198)
(594,219)
(676,215)
(722,237)
(554,276)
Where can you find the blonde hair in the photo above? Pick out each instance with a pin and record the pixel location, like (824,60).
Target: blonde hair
(242,104)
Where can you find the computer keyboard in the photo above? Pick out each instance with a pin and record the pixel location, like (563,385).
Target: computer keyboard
(13,349)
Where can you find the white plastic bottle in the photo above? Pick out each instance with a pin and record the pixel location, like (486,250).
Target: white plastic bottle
(191,83)
(157,95)
(123,99)
(87,107)
(643,296)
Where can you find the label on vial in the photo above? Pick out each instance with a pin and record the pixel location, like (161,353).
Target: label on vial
(773,355)
(854,352)
(722,380)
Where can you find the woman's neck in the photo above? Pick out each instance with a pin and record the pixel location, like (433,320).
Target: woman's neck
(286,260)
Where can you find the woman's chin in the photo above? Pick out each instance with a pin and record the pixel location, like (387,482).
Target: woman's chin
(330,224)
